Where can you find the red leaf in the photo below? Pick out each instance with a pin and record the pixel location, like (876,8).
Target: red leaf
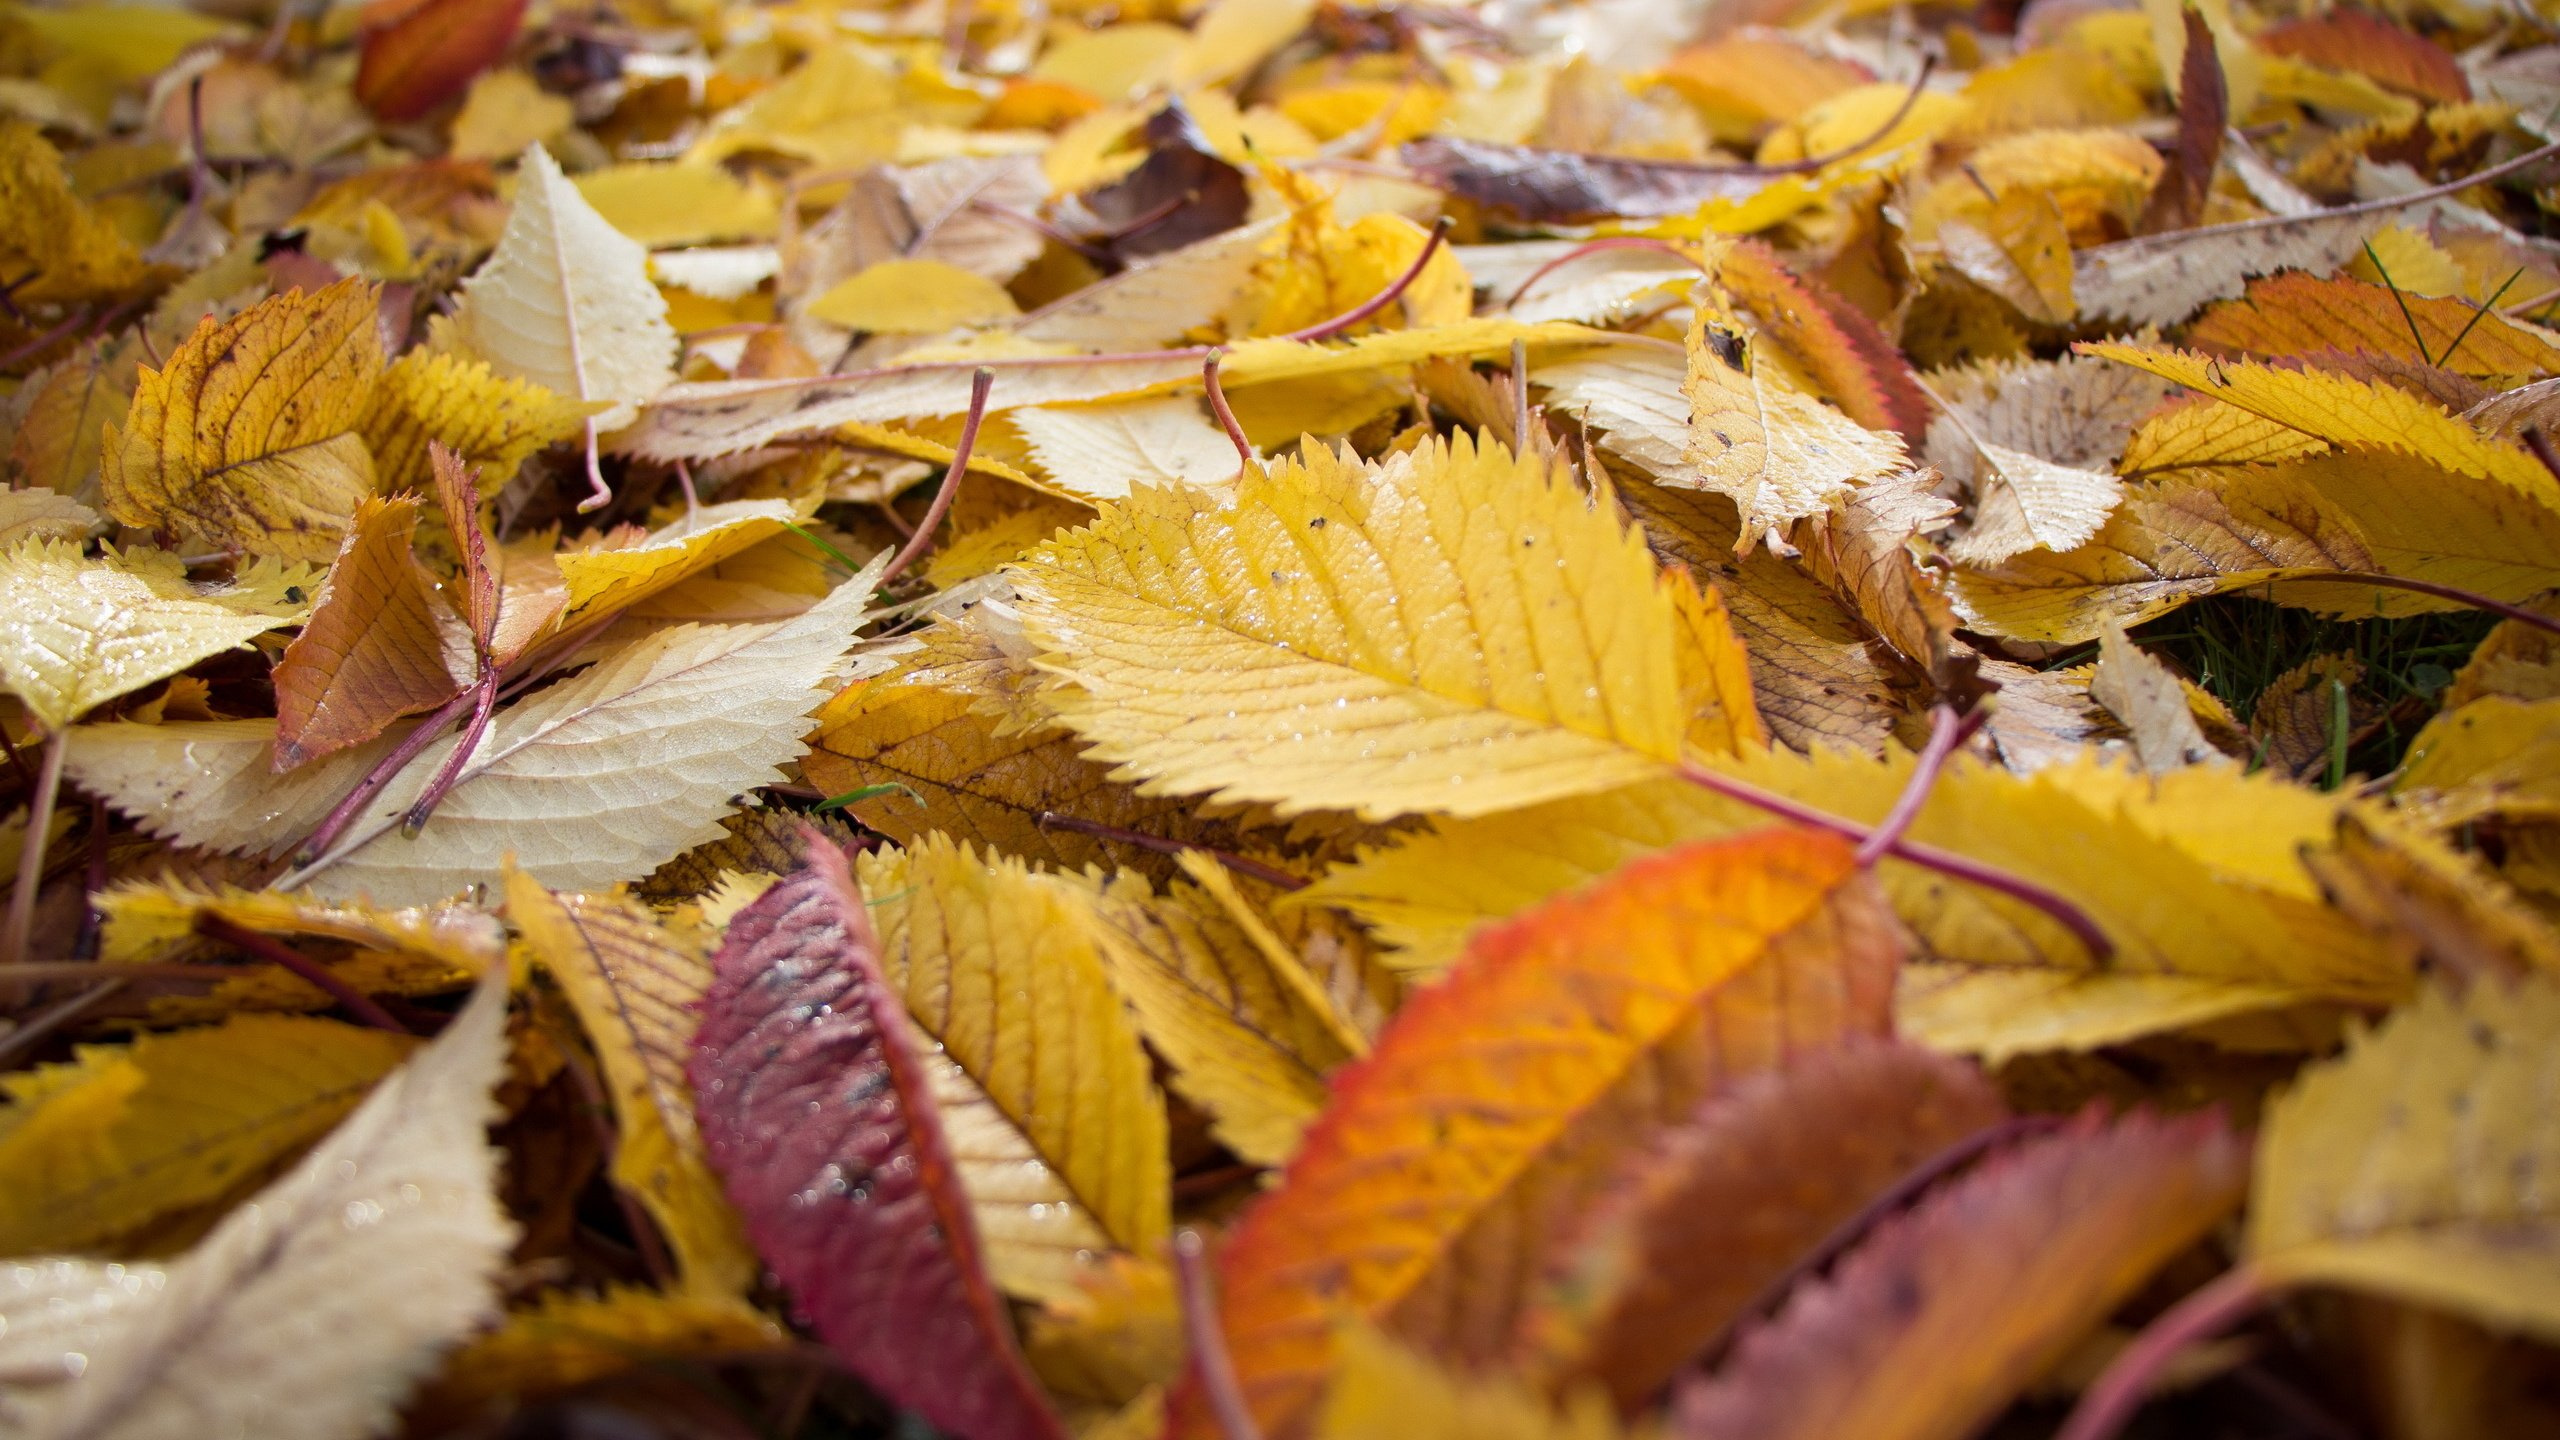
(2375,48)
(817,1110)
(419,55)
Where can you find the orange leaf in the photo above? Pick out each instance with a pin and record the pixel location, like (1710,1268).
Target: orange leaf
(1934,1325)
(1500,1102)
(1720,1209)
(2368,45)
(419,55)
(2299,314)
(372,651)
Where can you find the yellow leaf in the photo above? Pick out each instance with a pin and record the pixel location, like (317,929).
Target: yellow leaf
(76,633)
(1118,1334)
(243,442)
(2408,261)
(43,515)
(982,781)
(145,920)
(566,302)
(913,297)
(2255,528)
(196,1114)
(1780,454)
(2414,1164)
(2001,979)
(1383,1391)
(679,204)
(1245,1044)
(68,251)
(2204,431)
(132,42)
(2495,756)
(634,983)
(565,1339)
(491,422)
(1456,629)
(504,111)
(2355,415)
(1047,1098)
(613,577)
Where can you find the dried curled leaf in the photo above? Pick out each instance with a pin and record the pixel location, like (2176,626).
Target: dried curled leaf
(373,649)
(309,1311)
(817,1105)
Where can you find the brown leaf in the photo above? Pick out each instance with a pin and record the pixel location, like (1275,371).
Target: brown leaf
(1719,1208)
(2007,1268)
(2204,104)
(372,650)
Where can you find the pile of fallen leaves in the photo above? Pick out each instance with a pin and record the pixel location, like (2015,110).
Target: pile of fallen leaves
(1280,721)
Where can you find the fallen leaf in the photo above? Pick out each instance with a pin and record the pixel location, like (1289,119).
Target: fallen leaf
(636,985)
(1718,1207)
(125,1134)
(566,303)
(2009,1267)
(312,1309)
(245,440)
(1435,1164)
(1155,658)
(1052,1117)
(2406,1165)
(79,632)
(372,650)
(855,1203)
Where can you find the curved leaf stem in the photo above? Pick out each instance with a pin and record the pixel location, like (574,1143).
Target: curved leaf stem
(2518,613)
(1384,298)
(2105,1406)
(1928,857)
(1245,454)
(420,736)
(1209,1357)
(1947,733)
(917,543)
(484,702)
(1593,247)
(275,952)
(31,850)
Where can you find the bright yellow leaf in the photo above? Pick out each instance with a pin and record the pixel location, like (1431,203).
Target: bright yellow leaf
(1047,1099)
(1455,630)
(913,297)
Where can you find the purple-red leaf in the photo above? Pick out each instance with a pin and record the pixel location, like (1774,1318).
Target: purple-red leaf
(816,1108)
